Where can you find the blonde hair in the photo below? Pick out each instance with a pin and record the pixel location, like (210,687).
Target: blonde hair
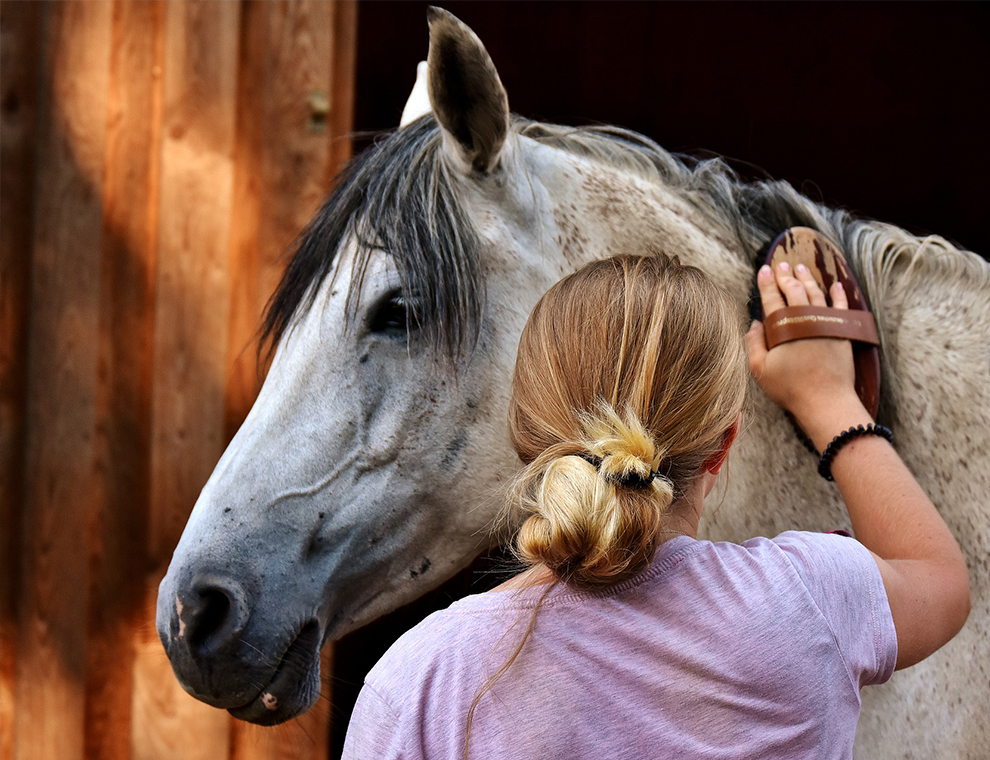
(630,373)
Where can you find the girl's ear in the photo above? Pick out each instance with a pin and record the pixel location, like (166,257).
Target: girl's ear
(714,463)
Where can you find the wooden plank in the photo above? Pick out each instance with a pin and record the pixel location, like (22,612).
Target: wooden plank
(20,48)
(118,540)
(282,166)
(191,307)
(284,159)
(295,160)
(344,77)
(242,375)
(190,338)
(62,381)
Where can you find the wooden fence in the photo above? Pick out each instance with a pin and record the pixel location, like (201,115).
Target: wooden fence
(157,159)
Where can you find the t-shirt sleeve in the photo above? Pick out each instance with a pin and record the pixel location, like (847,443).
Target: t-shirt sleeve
(845,583)
(374,730)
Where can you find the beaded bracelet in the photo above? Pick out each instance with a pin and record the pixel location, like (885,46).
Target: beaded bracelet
(825,463)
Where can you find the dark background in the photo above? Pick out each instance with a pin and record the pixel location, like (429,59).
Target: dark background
(878,107)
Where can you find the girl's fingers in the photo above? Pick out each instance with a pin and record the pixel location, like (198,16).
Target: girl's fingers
(792,288)
(815,295)
(839,298)
(769,294)
(784,287)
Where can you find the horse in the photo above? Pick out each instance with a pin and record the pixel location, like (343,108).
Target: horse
(369,469)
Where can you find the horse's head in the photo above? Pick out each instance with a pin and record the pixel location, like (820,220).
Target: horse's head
(368,470)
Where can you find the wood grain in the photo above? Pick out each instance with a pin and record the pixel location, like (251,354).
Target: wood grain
(191,309)
(344,76)
(156,161)
(20,44)
(190,335)
(282,167)
(118,542)
(281,178)
(242,377)
(62,381)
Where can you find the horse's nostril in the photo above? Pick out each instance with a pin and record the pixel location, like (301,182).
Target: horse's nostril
(209,619)
(212,615)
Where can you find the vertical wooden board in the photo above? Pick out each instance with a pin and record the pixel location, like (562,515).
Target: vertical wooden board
(282,168)
(118,539)
(191,307)
(242,375)
(344,76)
(62,382)
(190,338)
(20,47)
(295,158)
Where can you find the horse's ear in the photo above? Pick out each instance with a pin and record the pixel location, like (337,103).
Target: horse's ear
(418,103)
(466,94)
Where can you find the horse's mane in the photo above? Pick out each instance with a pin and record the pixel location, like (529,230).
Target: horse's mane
(398,196)
(754,213)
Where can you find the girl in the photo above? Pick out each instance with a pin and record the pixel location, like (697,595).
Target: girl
(628,637)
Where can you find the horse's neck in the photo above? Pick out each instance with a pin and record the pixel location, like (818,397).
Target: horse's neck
(601,210)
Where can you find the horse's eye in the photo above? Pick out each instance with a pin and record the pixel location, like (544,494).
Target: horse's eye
(392,316)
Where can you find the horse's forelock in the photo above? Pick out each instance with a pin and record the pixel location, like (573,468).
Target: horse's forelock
(396,196)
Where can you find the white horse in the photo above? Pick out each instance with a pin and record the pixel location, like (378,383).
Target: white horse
(368,470)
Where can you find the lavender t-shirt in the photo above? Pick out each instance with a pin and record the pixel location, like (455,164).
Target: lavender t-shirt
(718,650)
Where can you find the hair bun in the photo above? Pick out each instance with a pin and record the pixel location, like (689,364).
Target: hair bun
(627,470)
(596,517)
(627,454)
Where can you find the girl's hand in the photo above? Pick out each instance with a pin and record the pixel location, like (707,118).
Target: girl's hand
(923,570)
(813,378)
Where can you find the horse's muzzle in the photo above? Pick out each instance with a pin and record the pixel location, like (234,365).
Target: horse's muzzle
(226,656)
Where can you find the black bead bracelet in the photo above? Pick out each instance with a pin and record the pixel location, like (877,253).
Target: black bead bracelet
(825,463)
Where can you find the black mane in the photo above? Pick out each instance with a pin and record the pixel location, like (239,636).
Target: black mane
(399,196)
(396,196)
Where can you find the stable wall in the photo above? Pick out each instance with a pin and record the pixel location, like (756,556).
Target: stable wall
(157,160)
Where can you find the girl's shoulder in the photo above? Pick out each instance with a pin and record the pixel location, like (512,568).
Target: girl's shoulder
(431,647)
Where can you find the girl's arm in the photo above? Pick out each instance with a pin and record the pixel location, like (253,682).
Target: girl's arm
(923,569)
